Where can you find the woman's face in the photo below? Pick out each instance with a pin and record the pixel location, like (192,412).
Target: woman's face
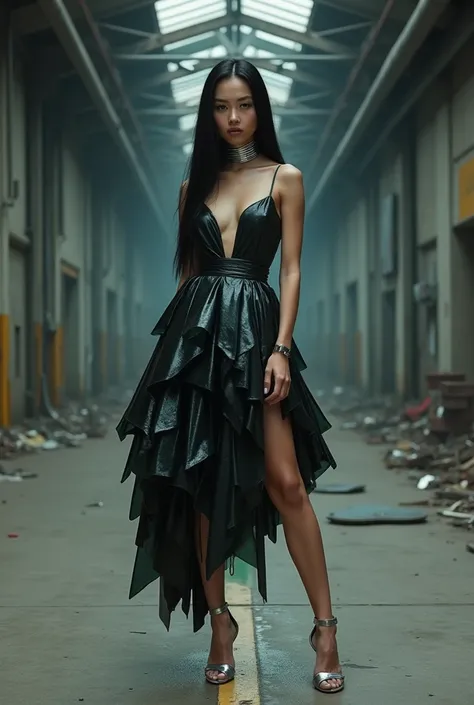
(234,111)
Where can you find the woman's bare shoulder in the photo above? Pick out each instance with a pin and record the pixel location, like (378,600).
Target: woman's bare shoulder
(290,174)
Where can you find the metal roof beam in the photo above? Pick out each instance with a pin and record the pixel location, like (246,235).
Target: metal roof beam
(368,9)
(286,57)
(310,39)
(203,43)
(265,45)
(158,41)
(30,19)
(345,28)
(162,79)
(422,21)
(73,45)
(181,110)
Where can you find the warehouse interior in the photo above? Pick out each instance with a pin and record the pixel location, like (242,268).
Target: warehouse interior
(373,101)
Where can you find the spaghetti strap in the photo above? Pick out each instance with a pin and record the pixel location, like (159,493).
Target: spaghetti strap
(273,180)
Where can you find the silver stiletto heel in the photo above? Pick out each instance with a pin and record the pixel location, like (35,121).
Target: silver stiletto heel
(323,677)
(226,669)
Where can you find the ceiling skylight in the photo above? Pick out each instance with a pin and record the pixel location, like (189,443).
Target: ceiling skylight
(186,122)
(294,15)
(278,86)
(183,43)
(187,89)
(177,14)
(280,41)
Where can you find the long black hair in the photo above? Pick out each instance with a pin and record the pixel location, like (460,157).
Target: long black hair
(208,156)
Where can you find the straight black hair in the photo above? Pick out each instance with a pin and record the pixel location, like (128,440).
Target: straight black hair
(208,156)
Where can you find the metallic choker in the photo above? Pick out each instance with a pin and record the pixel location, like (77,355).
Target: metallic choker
(239,155)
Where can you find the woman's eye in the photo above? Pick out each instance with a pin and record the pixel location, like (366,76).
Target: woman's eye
(219,107)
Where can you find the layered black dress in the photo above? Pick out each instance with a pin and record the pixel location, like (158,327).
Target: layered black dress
(197,418)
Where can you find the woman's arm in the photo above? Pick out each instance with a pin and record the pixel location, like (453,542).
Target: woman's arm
(292,215)
(290,185)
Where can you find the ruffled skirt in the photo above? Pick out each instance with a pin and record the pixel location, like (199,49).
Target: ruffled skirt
(196,419)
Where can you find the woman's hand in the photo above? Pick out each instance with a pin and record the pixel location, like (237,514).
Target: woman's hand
(278,369)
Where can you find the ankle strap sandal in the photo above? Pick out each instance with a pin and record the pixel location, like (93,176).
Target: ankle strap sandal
(323,676)
(226,669)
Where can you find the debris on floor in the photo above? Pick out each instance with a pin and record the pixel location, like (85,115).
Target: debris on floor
(362,515)
(432,440)
(338,488)
(65,429)
(15,475)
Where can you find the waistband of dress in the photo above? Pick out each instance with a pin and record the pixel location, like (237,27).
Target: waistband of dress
(234,267)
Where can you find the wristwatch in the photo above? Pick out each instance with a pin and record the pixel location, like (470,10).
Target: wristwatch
(282,349)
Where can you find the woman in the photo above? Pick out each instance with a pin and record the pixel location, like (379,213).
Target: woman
(227,437)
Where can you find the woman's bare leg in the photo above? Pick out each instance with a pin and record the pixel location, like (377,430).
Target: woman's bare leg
(222,629)
(302,532)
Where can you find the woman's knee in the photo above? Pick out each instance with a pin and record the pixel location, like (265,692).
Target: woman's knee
(286,490)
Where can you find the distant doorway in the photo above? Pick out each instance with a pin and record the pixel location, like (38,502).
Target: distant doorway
(70,337)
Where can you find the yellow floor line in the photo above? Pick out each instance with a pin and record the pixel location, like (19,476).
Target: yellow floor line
(244,690)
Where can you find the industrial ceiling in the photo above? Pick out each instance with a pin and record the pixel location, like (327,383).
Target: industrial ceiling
(319,59)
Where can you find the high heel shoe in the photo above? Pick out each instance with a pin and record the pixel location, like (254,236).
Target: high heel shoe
(322,676)
(226,669)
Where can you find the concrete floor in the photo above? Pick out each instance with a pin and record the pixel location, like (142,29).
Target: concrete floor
(68,633)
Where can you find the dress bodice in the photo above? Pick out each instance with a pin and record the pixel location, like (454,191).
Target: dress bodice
(257,237)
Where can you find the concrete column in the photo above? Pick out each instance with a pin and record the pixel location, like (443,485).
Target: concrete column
(87,290)
(446,244)
(341,283)
(373,347)
(406,339)
(4,237)
(35,188)
(130,324)
(363,333)
(98,313)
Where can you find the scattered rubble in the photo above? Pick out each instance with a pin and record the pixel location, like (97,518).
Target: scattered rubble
(432,440)
(66,429)
(15,475)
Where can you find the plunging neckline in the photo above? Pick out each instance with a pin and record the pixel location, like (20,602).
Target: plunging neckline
(255,203)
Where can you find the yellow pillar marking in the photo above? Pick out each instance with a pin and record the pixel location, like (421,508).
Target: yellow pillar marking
(244,690)
(4,370)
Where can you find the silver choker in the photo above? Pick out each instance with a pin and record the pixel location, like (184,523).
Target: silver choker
(239,155)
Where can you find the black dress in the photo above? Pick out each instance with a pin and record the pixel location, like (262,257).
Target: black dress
(197,418)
